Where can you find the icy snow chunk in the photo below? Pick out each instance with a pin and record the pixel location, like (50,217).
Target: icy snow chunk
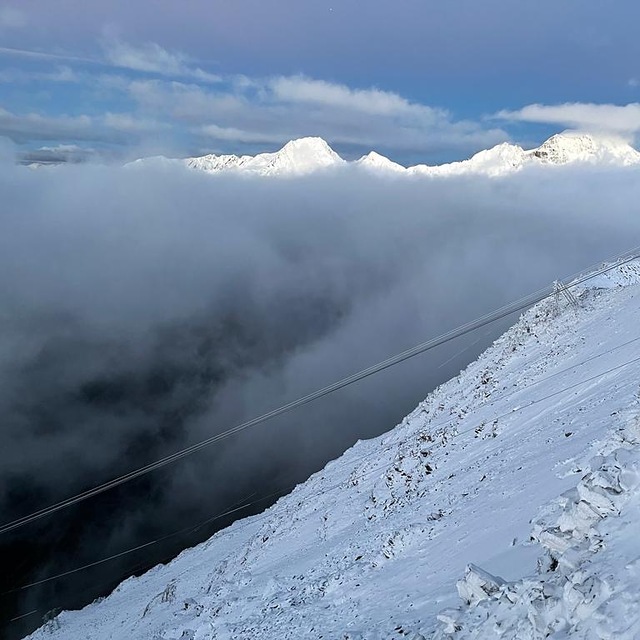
(555,540)
(478,585)
(597,499)
(580,519)
(449,617)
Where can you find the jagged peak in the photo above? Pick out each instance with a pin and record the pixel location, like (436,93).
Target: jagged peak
(296,157)
(375,160)
(572,136)
(582,146)
(373,156)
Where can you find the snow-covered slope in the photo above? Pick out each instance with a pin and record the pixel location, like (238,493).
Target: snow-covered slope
(501,159)
(526,465)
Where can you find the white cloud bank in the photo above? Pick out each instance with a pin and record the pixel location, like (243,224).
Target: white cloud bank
(300,89)
(620,119)
(256,110)
(202,112)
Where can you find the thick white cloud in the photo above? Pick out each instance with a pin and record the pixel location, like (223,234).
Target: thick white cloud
(252,110)
(372,101)
(600,117)
(197,110)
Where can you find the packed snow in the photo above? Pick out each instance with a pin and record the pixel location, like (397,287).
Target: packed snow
(505,505)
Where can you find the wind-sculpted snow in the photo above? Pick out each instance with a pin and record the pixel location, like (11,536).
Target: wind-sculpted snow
(587,582)
(371,547)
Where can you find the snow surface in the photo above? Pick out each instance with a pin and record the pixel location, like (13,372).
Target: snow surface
(525,466)
(307,155)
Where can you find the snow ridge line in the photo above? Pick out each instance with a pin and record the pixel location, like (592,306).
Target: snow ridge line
(568,593)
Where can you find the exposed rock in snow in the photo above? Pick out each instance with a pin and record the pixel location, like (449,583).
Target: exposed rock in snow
(371,547)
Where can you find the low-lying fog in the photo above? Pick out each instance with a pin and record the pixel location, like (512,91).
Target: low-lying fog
(146,308)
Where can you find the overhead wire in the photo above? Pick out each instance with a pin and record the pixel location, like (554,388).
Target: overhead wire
(353,462)
(502,312)
(114,556)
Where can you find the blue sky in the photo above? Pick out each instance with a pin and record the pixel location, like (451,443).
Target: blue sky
(416,80)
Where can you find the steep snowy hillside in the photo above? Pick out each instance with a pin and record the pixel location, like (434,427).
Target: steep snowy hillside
(525,466)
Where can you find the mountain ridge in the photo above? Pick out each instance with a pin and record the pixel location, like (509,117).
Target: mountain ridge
(307,155)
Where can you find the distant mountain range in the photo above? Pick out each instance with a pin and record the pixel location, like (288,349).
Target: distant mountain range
(308,155)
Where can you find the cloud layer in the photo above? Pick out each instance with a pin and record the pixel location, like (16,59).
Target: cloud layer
(415,84)
(175,107)
(146,308)
(621,119)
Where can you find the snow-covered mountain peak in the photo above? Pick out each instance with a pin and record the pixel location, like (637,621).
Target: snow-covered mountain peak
(375,161)
(297,157)
(560,149)
(309,146)
(574,146)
